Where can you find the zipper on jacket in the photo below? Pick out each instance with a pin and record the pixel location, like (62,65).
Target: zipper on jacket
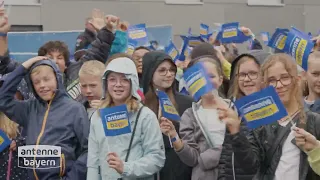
(41,133)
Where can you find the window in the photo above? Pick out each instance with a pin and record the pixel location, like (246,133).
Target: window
(266,2)
(195,2)
(22,2)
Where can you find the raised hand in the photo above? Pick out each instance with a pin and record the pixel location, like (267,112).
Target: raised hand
(27,64)
(112,22)
(97,20)
(4,22)
(167,127)
(123,26)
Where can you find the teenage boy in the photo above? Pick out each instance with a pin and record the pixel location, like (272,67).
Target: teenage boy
(51,119)
(90,77)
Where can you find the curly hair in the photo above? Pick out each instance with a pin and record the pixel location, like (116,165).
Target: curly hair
(52,46)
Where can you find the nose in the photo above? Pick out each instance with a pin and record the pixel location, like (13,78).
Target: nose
(118,83)
(42,84)
(279,85)
(247,78)
(88,90)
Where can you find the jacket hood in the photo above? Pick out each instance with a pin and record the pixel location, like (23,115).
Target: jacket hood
(60,88)
(127,67)
(150,62)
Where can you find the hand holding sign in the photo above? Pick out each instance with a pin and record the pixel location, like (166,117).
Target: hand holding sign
(167,127)
(115,162)
(230,117)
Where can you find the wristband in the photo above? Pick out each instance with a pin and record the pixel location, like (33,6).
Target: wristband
(3,34)
(174,139)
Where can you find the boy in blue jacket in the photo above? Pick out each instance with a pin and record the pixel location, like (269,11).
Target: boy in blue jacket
(52,118)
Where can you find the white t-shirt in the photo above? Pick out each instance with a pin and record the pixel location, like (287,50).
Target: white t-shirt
(288,167)
(212,125)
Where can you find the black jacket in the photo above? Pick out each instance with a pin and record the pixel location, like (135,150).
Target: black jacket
(269,134)
(99,51)
(174,168)
(235,155)
(85,39)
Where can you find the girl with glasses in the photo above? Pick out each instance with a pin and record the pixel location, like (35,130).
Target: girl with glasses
(245,74)
(159,73)
(274,148)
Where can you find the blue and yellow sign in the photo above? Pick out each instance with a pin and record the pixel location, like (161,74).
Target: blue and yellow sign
(204,31)
(278,39)
(261,108)
(230,33)
(172,51)
(115,120)
(299,46)
(167,108)
(132,44)
(197,81)
(184,49)
(138,32)
(4,141)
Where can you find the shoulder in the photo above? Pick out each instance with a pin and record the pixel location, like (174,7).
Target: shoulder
(146,113)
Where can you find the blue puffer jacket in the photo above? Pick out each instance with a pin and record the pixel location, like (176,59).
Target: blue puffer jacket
(62,122)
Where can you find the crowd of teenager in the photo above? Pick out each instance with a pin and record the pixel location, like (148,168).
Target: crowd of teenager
(54,100)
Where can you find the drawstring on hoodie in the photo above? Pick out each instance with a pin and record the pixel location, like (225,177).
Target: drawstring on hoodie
(41,133)
(233,171)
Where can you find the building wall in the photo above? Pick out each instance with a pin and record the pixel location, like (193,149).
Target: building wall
(62,15)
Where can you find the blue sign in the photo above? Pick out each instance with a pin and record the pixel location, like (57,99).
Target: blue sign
(115,120)
(278,39)
(172,51)
(197,81)
(261,108)
(4,141)
(138,32)
(230,33)
(167,108)
(132,44)
(204,31)
(184,53)
(299,46)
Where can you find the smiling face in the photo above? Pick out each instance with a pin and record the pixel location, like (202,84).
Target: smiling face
(279,77)
(119,87)
(164,75)
(248,76)
(313,75)
(44,82)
